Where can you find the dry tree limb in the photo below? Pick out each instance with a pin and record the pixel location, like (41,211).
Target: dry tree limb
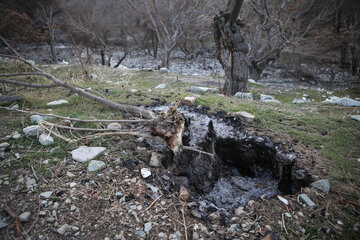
(78,119)
(131,110)
(25,84)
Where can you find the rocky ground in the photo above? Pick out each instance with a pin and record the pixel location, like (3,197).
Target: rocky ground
(116,188)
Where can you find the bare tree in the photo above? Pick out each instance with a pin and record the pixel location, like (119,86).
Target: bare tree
(167,19)
(45,15)
(245,48)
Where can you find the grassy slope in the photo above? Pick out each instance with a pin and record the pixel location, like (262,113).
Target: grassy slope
(325,128)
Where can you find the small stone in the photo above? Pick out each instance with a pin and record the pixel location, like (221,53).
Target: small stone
(36,118)
(69,174)
(94,76)
(147,227)
(84,154)
(239,211)
(189,100)
(145,173)
(114,126)
(73,184)
(299,101)
(96,165)
(119,237)
(24,217)
(140,233)
(340,223)
(322,185)
(251,203)
(288,215)
(161,86)
(163,70)
(118,195)
(355,117)
(175,236)
(46,194)
(244,116)
(307,200)
(75,228)
(196,236)
(16,106)
(155,160)
(243,95)
(153,188)
(268,99)
(195,214)
(184,194)
(196,89)
(46,140)
(300,214)
(42,213)
(46,162)
(63,229)
(133,90)
(283,200)
(32,131)
(16,136)
(56,103)
(4,145)
(73,208)
(268,227)
(50,220)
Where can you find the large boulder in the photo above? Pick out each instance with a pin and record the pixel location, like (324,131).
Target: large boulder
(32,131)
(345,101)
(243,95)
(268,99)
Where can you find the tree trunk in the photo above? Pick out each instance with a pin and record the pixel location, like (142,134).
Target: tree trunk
(53,52)
(102,54)
(166,59)
(228,36)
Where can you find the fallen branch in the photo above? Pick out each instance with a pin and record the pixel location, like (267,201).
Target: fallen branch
(152,204)
(78,119)
(25,84)
(197,150)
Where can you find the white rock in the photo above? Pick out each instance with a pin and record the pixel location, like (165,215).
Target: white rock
(189,100)
(24,217)
(16,135)
(145,173)
(161,86)
(95,165)
(4,145)
(46,194)
(147,227)
(72,208)
(73,184)
(164,70)
(133,90)
(355,117)
(114,126)
(16,106)
(94,76)
(251,81)
(244,116)
(307,200)
(243,95)
(296,101)
(285,201)
(32,131)
(84,154)
(46,140)
(36,118)
(202,89)
(56,103)
(155,160)
(345,101)
(63,229)
(239,211)
(69,174)
(268,99)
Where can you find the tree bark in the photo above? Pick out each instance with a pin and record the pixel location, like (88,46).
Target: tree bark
(228,37)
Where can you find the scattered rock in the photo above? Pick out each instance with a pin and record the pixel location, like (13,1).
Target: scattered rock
(244,116)
(355,117)
(322,185)
(283,200)
(189,100)
(239,211)
(56,103)
(16,106)
(46,194)
(141,233)
(133,90)
(268,227)
(155,160)
(73,184)
(62,230)
(24,217)
(345,101)
(163,70)
(184,194)
(4,145)
(296,101)
(46,140)
(36,118)
(114,126)
(244,95)
(147,227)
(69,174)
(161,86)
(288,215)
(268,99)
(16,135)
(175,236)
(202,89)
(94,76)
(307,200)
(195,213)
(32,131)
(11,99)
(145,173)
(96,165)
(84,154)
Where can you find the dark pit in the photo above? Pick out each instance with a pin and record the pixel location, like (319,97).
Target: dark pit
(236,168)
